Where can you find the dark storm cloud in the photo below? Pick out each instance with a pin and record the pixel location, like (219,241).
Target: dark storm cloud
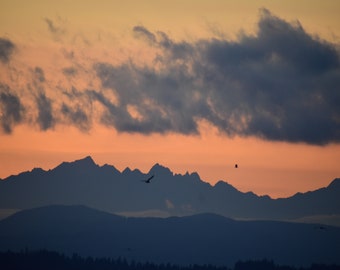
(11,109)
(45,118)
(280,84)
(6,49)
(282,81)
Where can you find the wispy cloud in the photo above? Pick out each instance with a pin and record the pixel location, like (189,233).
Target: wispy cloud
(6,49)
(11,109)
(141,31)
(76,116)
(56,28)
(39,74)
(45,118)
(69,71)
(280,84)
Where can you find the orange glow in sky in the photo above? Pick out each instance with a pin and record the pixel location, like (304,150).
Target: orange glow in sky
(58,56)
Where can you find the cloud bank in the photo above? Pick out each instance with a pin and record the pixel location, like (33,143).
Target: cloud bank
(281,84)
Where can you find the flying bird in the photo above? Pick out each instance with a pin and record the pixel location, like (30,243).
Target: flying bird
(149,179)
(236,166)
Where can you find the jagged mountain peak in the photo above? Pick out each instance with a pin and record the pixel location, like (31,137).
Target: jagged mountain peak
(223,184)
(86,162)
(111,168)
(195,176)
(37,170)
(126,170)
(335,184)
(160,170)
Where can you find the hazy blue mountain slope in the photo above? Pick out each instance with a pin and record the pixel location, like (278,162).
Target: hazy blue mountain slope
(201,239)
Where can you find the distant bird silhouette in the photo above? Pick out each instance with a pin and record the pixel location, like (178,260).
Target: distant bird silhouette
(149,179)
(236,166)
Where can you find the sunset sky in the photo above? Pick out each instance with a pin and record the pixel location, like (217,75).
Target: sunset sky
(193,85)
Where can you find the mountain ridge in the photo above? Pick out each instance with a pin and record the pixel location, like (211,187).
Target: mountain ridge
(106,188)
(89,162)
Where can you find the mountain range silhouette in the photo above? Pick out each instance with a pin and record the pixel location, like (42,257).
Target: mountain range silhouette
(198,239)
(105,188)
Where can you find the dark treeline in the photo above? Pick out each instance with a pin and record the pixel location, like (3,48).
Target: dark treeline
(51,260)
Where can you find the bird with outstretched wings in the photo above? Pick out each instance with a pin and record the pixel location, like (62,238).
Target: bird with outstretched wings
(149,179)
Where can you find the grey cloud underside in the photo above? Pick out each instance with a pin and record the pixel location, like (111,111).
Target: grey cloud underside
(163,100)
(281,84)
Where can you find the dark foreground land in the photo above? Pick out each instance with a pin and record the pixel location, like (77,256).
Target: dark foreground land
(51,260)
